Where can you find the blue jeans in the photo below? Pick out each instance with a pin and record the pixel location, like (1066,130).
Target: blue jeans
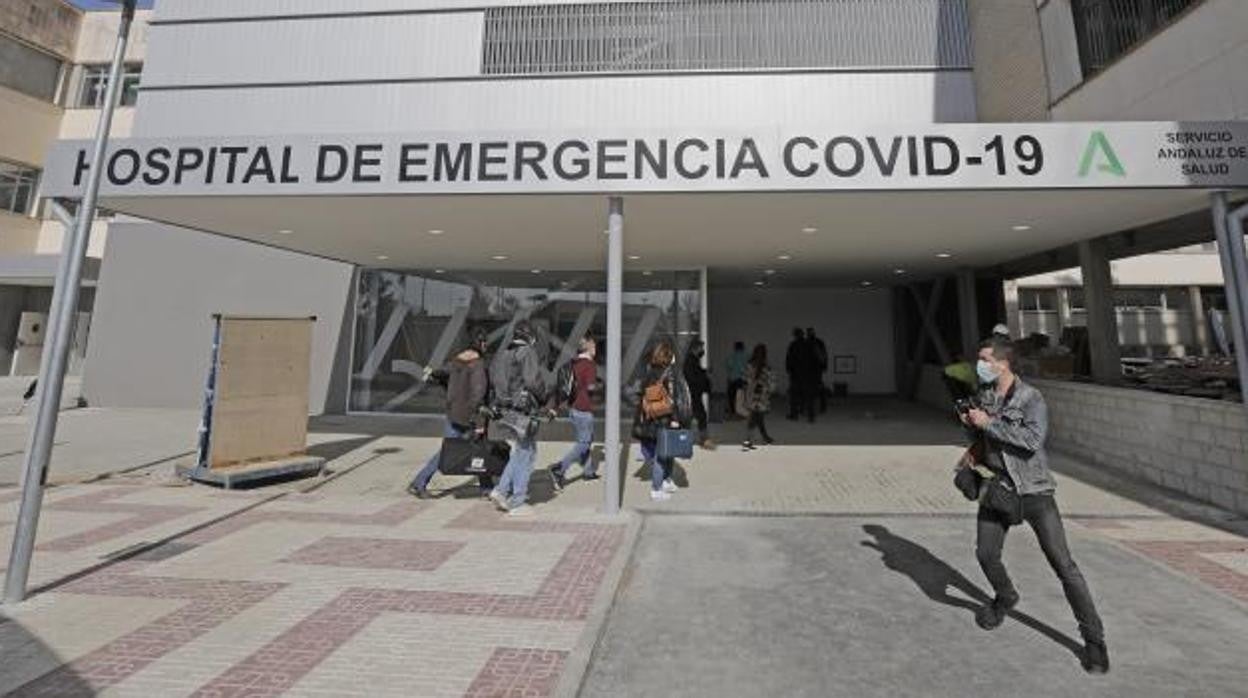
(514,483)
(583,424)
(660,468)
(449,431)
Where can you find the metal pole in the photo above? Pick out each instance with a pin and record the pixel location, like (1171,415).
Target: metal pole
(704,326)
(1234,277)
(615,349)
(61,327)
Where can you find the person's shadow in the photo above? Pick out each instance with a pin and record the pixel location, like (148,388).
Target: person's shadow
(935,577)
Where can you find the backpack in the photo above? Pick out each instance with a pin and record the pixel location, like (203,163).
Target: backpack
(565,382)
(515,378)
(656,400)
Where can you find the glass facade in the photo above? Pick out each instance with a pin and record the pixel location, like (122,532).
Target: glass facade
(406,321)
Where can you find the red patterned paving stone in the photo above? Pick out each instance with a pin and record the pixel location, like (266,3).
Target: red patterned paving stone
(519,673)
(376,553)
(210,603)
(1188,557)
(566,594)
(142,517)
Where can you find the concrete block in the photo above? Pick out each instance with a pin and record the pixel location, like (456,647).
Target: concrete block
(1191,449)
(1218,456)
(1242,499)
(1234,478)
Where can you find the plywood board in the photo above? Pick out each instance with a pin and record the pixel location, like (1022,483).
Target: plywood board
(261,402)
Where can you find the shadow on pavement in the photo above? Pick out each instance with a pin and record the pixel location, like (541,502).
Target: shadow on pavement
(935,577)
(31,668)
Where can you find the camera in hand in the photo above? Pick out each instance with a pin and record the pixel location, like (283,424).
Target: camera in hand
(965,404)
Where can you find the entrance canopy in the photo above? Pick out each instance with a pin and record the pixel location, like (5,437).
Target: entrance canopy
(816,205)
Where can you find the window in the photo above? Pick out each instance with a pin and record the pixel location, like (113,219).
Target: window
(689,35)
(1177,298)
(18,184)
(95,85)
(1106,29)
(28,70)
(1038,299)
(1145,298)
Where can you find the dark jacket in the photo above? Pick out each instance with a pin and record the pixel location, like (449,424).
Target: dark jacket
(466,388)
(647,430)
(1016,436)
(696,377)
(800,361)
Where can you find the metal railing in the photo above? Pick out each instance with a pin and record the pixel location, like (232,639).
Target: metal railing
(731,35)
(1107,29)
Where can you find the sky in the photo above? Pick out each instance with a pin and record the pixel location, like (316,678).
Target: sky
(102,5)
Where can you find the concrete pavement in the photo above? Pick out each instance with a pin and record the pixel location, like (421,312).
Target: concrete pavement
(839,562)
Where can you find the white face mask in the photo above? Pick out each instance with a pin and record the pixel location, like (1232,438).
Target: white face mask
(987,372)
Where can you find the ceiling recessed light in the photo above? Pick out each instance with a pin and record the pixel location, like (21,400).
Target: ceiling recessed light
(899,272)
(759,283)
(439,271)
(769,272)
(810,230)
(436,232)
(634,258)
(784,257)
(382,257)
(499,258)
(536,271)
(867,283)
(944,255)
(285,231)
(647,273)
(1022,228)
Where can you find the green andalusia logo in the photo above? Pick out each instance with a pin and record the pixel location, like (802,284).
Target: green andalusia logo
(1110,164)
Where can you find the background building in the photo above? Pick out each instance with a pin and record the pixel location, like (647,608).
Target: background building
(53,70)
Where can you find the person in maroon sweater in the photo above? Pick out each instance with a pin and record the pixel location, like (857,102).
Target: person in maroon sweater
(581,412)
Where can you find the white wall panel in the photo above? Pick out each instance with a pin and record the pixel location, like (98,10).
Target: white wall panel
(725,101)
(316,50)
(1196,69)
(1061,47)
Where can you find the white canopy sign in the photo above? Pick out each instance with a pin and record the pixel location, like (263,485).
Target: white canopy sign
(926,157)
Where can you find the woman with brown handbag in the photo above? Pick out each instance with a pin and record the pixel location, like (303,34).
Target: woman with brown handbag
(758,389)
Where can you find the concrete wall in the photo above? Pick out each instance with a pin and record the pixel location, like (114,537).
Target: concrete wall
(159,286)
(1198,447)
(1010,79)
(52,25)
(850,321)
(1193,69)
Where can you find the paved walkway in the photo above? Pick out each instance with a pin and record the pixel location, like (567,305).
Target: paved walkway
(816,567)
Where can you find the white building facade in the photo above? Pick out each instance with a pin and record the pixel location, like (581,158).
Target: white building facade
(397,280)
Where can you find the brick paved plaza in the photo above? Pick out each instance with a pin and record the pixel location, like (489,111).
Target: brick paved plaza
(760,573)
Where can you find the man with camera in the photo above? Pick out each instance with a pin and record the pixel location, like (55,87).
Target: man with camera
(1007,471)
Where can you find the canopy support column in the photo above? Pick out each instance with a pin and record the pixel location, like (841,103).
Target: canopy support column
(1229,229)
(1098,284)
(968,313)
(615,352)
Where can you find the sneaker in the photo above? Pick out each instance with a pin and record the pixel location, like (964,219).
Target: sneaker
(670,487)
(660,495)
(768,441)
(520,510)
(557,478)
(417,492)
(499,500)
(991,616)
(1096,657)
(590,477)
(748,446)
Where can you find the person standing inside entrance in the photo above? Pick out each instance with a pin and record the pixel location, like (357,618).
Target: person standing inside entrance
(799,363)
(665,403)
(819,352)
(584,375)
(520,398)
(699,382)
(736,377)
(466,388)
(759,387)
(1011,425)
